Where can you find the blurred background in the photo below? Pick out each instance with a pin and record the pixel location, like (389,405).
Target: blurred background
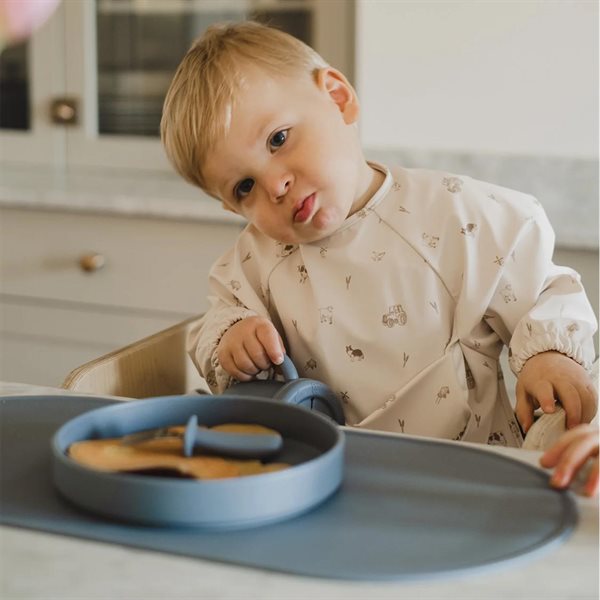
(101,243)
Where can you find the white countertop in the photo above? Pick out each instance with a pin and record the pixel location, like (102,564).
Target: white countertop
(42,565)
(108,191)
(566,188)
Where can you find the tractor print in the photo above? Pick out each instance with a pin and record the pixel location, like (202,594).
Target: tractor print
(394,316)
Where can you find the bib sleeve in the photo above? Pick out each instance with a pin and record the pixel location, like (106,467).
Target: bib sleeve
(539,306)
(236,293)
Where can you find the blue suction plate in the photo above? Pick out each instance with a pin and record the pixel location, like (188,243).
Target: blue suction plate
(312,444)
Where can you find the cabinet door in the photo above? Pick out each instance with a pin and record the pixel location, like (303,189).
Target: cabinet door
(58,311)
(41,342)
(146,265)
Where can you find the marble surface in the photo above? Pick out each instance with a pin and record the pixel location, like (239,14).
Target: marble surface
(43,566)
(108,191)
(566,187)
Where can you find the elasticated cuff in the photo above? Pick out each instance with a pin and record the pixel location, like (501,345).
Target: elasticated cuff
(544,343)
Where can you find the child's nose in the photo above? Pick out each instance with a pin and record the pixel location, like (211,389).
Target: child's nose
(279,185)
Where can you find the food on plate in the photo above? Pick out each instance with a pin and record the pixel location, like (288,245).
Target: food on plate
(163,456)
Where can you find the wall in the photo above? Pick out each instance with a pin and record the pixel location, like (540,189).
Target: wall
(504,91)
(486,76)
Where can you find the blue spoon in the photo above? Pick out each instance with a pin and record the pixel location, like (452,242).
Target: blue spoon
(222,443)
(239,445)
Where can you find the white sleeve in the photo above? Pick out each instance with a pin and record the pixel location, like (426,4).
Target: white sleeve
(539,306)
(235,294)
(204,338)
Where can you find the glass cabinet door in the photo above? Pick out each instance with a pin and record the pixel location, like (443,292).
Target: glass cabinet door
(140,45)
(121,56)
(87,88)
(15,112)
(32,73)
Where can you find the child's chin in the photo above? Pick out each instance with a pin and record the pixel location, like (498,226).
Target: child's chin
(306,237)
(325,222)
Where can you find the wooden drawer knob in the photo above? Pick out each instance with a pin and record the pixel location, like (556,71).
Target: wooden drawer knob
(91,262)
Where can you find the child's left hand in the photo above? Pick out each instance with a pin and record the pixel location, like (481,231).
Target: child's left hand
(569,455)
(551,376)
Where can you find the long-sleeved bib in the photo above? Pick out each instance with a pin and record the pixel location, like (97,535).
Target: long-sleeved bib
(404,310)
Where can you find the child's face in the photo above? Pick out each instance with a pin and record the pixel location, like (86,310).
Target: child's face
(291,162)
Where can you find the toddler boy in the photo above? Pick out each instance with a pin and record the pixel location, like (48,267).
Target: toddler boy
(396,287)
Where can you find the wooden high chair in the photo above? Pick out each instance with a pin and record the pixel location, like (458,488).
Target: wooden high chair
(159,365)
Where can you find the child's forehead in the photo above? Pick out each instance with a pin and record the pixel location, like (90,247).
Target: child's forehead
(261,98)
(254,79)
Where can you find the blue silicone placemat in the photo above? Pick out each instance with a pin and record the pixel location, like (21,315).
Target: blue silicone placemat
(408,508)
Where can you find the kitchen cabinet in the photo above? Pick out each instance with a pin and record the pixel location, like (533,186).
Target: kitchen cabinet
(93,78)
(75,286)
(84,96)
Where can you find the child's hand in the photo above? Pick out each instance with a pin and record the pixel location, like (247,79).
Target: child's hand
(250,346)
(569,455)
(551,376)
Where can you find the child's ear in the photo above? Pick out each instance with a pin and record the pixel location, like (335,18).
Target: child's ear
(334,83)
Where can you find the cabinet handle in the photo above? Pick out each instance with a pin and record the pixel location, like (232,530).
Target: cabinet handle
(64,111)
(92,262)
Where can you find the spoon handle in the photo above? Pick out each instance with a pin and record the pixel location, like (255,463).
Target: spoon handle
(238,445)
(288,369)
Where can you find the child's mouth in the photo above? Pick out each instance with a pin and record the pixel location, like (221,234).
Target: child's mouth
(305,210)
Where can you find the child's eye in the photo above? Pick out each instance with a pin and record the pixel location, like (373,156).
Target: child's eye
(278,139)
(243,188)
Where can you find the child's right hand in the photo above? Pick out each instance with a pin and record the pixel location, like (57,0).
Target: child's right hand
(569,455)
(250,346)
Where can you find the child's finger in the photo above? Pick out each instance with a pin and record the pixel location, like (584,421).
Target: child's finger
(544,395)
(589,398)
(243,361)
(571,401)
(552,454)
(591,485)
(572,460)
(256,352)
(227,361)
(523,407)
(593,391)
(270,340)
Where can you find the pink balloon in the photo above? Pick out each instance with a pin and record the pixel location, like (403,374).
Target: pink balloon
(19,18)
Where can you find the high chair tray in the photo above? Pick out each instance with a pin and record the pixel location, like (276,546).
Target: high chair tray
(407,507)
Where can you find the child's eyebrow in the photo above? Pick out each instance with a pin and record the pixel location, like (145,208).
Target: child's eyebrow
(218,186)
(266,124)
(222,183)
(224,188)
(263,129)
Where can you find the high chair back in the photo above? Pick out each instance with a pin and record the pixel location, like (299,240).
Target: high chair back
(157,365)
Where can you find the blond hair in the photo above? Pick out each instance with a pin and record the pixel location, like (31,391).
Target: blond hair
(199,101)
